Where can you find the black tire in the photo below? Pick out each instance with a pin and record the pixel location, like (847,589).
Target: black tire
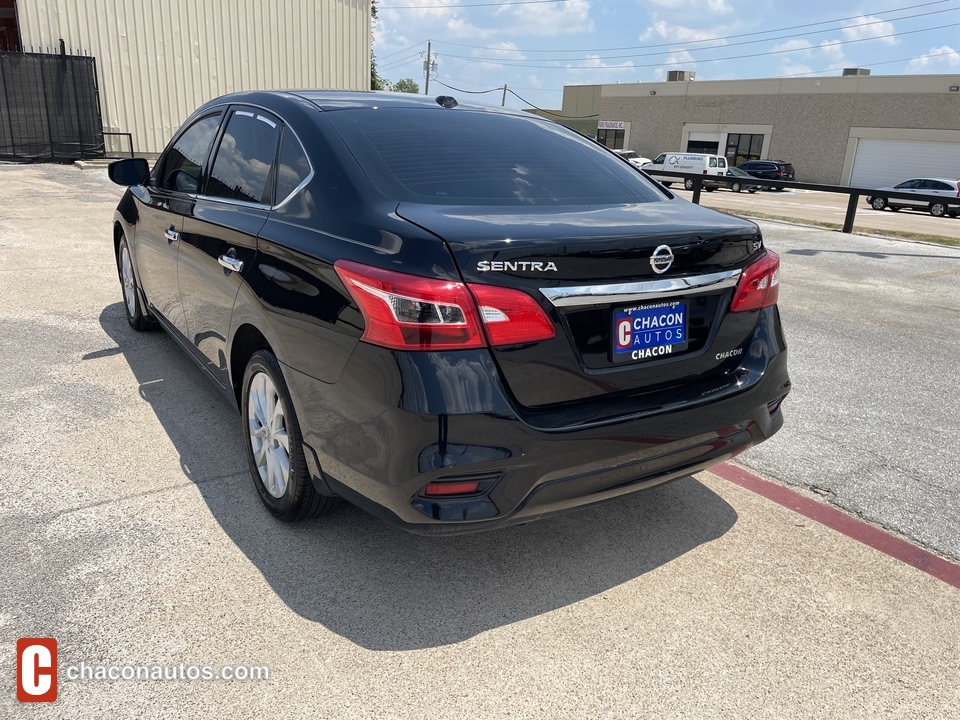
(736,187)
(298,499)
(938,209)
(781,188)
(139,319)
(666,184)
(878,203)
(709,189)
(952,213)
(752,190)
(688,184)
(895,208)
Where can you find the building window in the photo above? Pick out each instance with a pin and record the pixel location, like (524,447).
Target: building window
(742,147)
(702,146)
(613,139)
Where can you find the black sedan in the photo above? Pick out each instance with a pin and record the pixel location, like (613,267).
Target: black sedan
(742,182)
(453,341)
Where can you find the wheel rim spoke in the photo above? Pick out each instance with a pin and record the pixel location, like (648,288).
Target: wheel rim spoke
(269,439)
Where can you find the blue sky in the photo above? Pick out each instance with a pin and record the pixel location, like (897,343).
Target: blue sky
(537,47)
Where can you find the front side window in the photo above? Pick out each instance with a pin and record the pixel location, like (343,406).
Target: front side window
(909,185)
(661,158)
(244,167)
(181,167)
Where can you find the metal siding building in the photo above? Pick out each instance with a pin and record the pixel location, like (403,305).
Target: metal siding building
(159,61)
(865,130)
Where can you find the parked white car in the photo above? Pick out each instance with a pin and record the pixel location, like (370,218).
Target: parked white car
(633,158)
(948,189)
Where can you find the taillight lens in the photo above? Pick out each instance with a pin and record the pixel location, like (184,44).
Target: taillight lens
(779,173)
(759,286)
(510,316)
(408,312)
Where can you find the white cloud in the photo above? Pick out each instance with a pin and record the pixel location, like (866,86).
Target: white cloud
(548,19)
(858,29)
(789,68)
(938,57)
(832,49)
(714,7)
(676,60)
(662,30)
(505,50)
(793,46)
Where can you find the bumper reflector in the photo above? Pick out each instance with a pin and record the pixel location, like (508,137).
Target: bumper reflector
(435,489)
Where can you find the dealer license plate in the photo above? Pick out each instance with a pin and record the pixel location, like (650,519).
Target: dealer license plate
(647,332)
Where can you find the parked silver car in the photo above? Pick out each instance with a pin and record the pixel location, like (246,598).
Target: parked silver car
(948,189)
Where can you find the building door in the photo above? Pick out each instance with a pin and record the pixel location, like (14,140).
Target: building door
(9,33)
(742,147)
(882,163)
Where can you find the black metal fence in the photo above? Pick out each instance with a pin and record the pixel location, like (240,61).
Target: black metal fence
(951,205)
(50,107)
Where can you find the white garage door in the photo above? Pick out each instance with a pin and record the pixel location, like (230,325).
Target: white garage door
(881,163)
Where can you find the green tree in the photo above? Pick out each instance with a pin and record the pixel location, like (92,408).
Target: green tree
(406,85)
(376,82)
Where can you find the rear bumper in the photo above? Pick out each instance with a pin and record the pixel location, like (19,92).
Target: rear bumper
(396,421)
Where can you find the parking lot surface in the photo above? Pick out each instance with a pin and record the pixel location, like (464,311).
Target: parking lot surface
(133,534)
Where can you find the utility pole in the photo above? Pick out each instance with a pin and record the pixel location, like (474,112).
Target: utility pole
(429,65)
(503,102)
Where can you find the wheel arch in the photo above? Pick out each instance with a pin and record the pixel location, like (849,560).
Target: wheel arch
(247,339)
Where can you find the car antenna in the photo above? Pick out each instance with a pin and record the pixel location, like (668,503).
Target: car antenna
(447,101)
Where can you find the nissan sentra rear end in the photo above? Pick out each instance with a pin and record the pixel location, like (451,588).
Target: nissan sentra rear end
(602,335)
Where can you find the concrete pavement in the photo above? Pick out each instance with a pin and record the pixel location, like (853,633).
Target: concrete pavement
(132,534)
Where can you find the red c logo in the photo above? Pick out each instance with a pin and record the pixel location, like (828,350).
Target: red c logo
(36,669)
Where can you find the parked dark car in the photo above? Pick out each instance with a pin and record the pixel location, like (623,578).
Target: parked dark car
(451,341)
(769,170)
(743,181)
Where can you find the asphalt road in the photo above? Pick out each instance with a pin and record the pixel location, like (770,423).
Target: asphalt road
(132,534)
(874,418)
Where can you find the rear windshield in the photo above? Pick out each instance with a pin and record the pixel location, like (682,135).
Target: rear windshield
(464,157)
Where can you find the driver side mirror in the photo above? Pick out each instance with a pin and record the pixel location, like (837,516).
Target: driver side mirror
(129,171)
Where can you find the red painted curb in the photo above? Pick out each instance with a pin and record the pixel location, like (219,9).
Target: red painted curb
(832,518)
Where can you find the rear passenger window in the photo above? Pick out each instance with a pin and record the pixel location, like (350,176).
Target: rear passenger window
(293,168)
(246,158)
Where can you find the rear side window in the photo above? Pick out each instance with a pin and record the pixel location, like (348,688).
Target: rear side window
(713,162)
(246,158)
(483,158)
(182,165)
(293,168)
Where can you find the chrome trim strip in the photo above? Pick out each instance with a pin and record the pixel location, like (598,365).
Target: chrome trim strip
(640,291)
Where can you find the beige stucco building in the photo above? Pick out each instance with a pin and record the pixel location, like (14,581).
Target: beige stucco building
(159,61)
(857,130)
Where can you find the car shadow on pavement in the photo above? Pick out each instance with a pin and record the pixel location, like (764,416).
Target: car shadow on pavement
(386,589)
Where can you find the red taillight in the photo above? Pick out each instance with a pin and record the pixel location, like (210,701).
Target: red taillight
(779,174)
(759,286)
(510,316)
(408,312)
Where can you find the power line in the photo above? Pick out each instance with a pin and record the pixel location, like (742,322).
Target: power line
(632,66)
(551,112)
(472,5)
(706,40)
(409,47)
(884,62)
(471,92)
(674,48)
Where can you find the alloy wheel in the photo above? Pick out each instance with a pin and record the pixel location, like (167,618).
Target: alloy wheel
(268,434)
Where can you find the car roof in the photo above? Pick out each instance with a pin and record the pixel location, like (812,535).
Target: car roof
(329,100)
(938,179)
